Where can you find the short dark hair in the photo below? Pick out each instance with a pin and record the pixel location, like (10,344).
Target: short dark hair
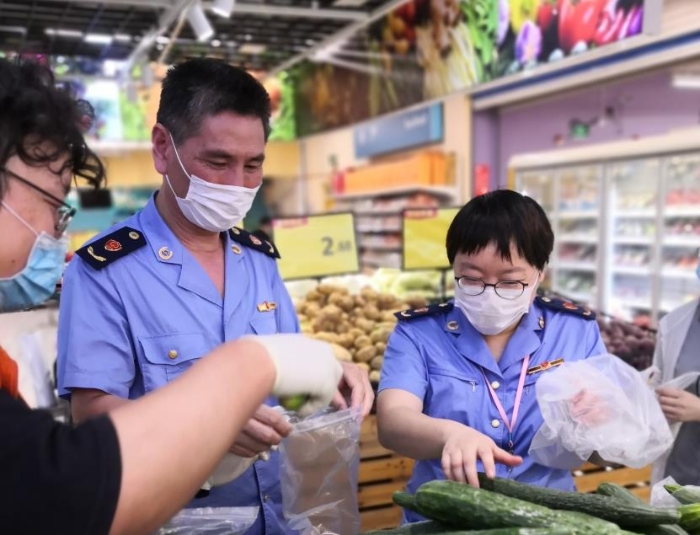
(34,111)
(204,87)
(504,218)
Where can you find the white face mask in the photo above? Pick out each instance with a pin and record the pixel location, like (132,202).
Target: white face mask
(491,314)
(213,207)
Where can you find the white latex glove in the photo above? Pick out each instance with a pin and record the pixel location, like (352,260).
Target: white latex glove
(232,467)
(304,366)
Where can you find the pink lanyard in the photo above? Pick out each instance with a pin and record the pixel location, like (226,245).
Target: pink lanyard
(518,398)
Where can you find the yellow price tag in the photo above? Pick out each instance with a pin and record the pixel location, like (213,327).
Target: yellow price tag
(424,233)
(316,246)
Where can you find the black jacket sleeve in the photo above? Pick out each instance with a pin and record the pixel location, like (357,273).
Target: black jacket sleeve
(55,478)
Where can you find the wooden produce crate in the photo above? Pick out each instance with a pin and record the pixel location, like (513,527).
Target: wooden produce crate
(589,476)
(381,473)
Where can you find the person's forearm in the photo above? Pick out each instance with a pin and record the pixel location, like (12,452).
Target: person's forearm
(172,439)
(86,404)
(413,434)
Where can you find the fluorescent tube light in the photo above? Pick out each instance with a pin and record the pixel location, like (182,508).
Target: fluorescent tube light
(98,38)
(200,23)
(223,8)
(63,33)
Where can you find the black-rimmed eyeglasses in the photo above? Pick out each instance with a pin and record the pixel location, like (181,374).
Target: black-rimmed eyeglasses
(504,289)
(65,212)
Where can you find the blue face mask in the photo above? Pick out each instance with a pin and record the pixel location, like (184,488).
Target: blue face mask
(37,281)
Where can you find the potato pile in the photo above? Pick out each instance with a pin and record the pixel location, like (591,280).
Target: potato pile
(358,326)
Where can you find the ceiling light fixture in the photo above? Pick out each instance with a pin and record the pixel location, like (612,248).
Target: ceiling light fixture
(686,81)
(98,38)
(13,29)
(223,8)
(63,33)
(200,23)
(122,37)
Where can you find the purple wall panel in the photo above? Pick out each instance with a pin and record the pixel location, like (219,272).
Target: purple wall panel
(645,105)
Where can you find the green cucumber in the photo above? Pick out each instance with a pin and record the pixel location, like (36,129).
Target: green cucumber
(690,517)
(460,505)
(435,528)
(685,495)
(625,515)
(619,492)
(622,494)
(406,501)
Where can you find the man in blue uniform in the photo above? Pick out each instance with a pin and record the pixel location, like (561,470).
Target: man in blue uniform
(144,301)
(457,391)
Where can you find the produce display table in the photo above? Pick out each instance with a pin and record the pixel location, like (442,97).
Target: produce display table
(382,472)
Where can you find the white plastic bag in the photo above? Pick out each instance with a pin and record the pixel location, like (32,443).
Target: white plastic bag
(319,466)
(601,405)
(211,521)
(660,497)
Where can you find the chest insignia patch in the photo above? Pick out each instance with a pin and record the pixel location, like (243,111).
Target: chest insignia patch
(546,365)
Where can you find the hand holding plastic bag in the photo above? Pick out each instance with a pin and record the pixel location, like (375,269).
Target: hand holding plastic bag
(211,521)
(601,405)
(319,467)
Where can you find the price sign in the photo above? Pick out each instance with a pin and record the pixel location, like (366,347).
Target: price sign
(316,246)
(424,233)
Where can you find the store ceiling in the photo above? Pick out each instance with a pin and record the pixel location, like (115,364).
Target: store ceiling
(259,35)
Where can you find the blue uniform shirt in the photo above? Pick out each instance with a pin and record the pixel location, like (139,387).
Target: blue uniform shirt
(141,321)
(439,358)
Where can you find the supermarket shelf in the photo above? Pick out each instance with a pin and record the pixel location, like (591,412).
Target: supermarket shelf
(380,247)
(633,240)
(626,302)
(577,296)
(642,213)
(577,238)
(577,266)
(632,270)
(370,230)
(682,211)
(679,274)
(682,241)
(579,214)
(377,263)
(450,193)
(375,213)
(106,148)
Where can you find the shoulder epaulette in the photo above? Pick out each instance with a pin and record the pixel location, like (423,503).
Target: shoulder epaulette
(102,252)
(560,305)
(247,239)
(423,311)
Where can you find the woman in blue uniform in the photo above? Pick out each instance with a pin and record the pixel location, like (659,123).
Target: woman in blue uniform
(457,389)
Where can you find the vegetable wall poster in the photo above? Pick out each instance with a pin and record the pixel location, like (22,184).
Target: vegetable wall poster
(426,49)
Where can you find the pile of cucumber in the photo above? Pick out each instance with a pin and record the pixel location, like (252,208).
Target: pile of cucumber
(507,507)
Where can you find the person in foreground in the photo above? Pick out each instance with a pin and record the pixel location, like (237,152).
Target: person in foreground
(457,390)
(178,278)
(129,472)
(678,353)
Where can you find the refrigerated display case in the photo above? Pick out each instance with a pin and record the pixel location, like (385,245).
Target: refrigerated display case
(626,218)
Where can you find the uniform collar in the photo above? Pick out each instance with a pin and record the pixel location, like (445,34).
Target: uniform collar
(163,242)
(166,247)
(470,343)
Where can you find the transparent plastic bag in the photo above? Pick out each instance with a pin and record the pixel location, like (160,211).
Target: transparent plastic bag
(319,465)
(660,497)
(211,521)
(601,405)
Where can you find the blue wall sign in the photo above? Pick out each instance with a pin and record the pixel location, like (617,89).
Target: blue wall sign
(400,131)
